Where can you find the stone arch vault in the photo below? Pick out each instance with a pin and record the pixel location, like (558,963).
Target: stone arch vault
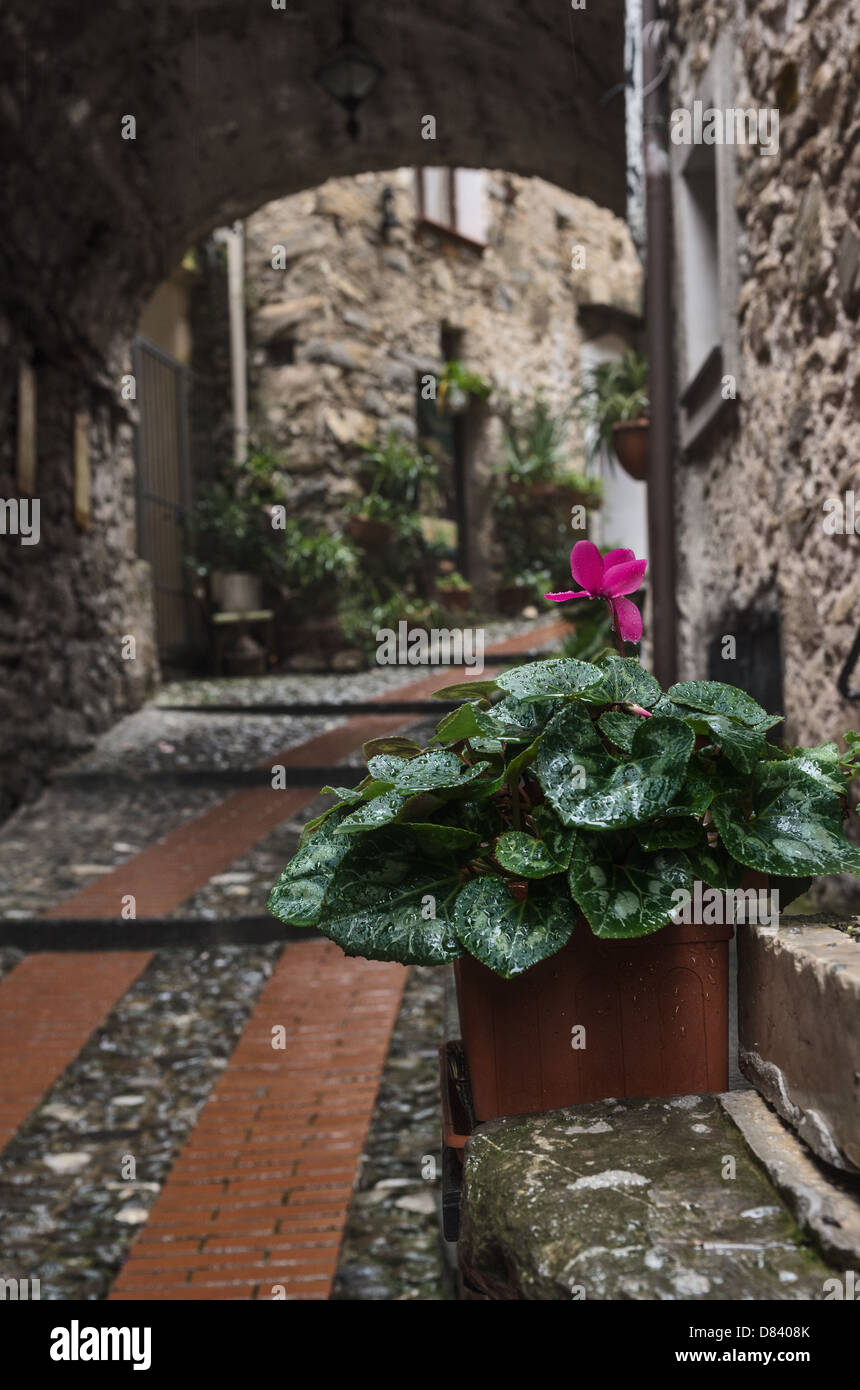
(228,116)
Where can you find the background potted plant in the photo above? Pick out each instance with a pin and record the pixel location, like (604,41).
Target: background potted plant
(454,591)
(535,490)
(543,842)
(394,477)
(310,568)
(615,409)
(231,538)
(536,448)
(457,386)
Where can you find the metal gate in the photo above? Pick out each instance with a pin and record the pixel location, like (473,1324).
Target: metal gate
(164,491)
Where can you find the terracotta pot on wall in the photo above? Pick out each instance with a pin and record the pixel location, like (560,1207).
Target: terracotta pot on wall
(369,532)
(655,1012)
(630,442)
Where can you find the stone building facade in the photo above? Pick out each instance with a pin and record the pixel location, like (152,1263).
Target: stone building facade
(756,486)
(366,296)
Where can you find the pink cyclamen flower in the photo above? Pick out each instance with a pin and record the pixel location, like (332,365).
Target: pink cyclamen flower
(608,576)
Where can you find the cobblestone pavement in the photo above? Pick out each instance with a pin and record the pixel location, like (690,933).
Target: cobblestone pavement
(79,1178)
(74,834)
(392,1247)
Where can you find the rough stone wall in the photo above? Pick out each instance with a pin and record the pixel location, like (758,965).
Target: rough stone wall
(363,314)
(750,502)
(67,601)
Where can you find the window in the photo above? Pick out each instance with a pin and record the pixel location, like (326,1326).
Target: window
(453,199)
(703,180)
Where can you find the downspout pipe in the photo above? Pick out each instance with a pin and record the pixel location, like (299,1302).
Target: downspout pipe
(659,343)
(235,238)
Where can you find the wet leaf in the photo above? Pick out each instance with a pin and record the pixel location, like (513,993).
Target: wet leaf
(628,899)
(589,788)
(794,828)
(298,895)
(508,935)
(541,680)
(622,680)
(380,902)
(715,697)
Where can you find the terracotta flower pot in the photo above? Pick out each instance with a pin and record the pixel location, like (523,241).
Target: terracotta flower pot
(511,599)
(630,442)
(654,1010)
(455,598)
(239,592)
(369,532)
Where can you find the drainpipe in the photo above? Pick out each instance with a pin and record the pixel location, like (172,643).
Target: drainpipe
(235,238)
(658,321)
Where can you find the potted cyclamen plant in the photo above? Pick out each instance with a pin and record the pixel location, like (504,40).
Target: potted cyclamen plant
(545,842)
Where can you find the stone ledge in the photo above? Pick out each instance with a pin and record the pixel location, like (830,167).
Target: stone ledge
(642,1199)
(825,1204)
(799,1030)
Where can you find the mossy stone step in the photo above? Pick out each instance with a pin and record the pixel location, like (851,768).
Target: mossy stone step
(644,1199)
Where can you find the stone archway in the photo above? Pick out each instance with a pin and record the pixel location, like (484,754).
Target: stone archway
(227,116)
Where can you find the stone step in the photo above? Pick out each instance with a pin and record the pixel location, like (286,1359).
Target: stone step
(656,1199)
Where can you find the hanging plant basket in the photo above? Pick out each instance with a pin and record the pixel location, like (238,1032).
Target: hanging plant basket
(602,1017)
(630,441)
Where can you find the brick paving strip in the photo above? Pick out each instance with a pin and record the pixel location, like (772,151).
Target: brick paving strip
(51,1003)
(256,1202)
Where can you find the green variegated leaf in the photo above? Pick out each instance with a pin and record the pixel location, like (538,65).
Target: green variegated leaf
(529,715)
(459,724)
(588,788)
(632,898)
(698,789)
(681,832)
(795,825)
(379,811)
(298,895)
(437,771)
(466,690)
(619,728)
(523,759)
(384,767)
(492,746)
(717,698)
(508,935)
(542,680)
(821,770)
(384,905)
(439,839)
(398,747)
(537,856)
(622,680)
(714,866)
(742,745)
(347,796)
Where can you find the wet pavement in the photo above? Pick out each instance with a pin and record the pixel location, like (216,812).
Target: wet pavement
(78,1179)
